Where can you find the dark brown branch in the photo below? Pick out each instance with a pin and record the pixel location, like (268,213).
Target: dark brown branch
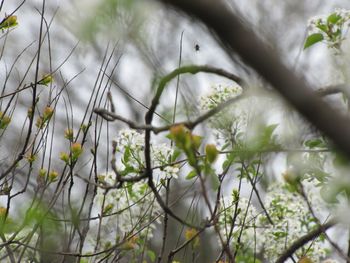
(330,90)
(303,240)
(110,116)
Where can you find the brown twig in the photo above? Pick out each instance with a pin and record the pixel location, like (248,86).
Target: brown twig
(305,239)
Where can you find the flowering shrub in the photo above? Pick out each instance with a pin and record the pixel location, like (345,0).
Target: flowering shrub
(162,191)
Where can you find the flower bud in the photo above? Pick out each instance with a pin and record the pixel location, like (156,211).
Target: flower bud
(64,157)
(8,22)
(48,112)
(46,80)
(68,134)
(190,234)
(76,151)
(42,172)
(4,120)
(196,141)
(211,153)
(53,176)
(178,132)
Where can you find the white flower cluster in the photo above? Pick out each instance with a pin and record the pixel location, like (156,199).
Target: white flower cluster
(231,119)
(126,138)
(291,220)
(125,211)
(332,27)
(245,219)
(130,145)
(130,209)
(161,155)
(220,93)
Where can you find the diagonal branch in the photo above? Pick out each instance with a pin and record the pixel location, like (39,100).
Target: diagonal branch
(303,240)
(237,37)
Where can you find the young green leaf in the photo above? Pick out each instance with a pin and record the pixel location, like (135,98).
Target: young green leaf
(191,175)
(333,18)
(315,143)
(215,182)
(151,255)
(313,39)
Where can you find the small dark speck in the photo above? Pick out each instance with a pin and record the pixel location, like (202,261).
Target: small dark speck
(197,47)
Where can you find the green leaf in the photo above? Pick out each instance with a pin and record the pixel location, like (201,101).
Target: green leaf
(313,39)
(191,158)
(127,154)
(333,18)
(226,145)
(340,160)
(75,218)
(280,234)
(175,155)
(265,139)
(229,160)
(323,27)
(313,143)
(191,175)
(128,169)
(320,175)
(215,182)
(151,255)
(329,194)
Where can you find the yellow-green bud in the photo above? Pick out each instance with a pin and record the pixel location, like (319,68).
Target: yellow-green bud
(211,153)
(64,157)
(190,234)
(178,132)
(42,172)
(68,134)
(30,112)
(31,158)
(8,22)
(76,151)
(196,141)
(46,80)
(4,120)
(53,176)
(39,123)
(48,112)
(108,209)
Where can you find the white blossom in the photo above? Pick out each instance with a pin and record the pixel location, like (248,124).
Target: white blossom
(333,33)
(130,209)
(291,219)
(130,147)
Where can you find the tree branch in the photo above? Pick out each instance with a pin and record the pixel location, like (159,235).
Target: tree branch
(303,240)
(238,37)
